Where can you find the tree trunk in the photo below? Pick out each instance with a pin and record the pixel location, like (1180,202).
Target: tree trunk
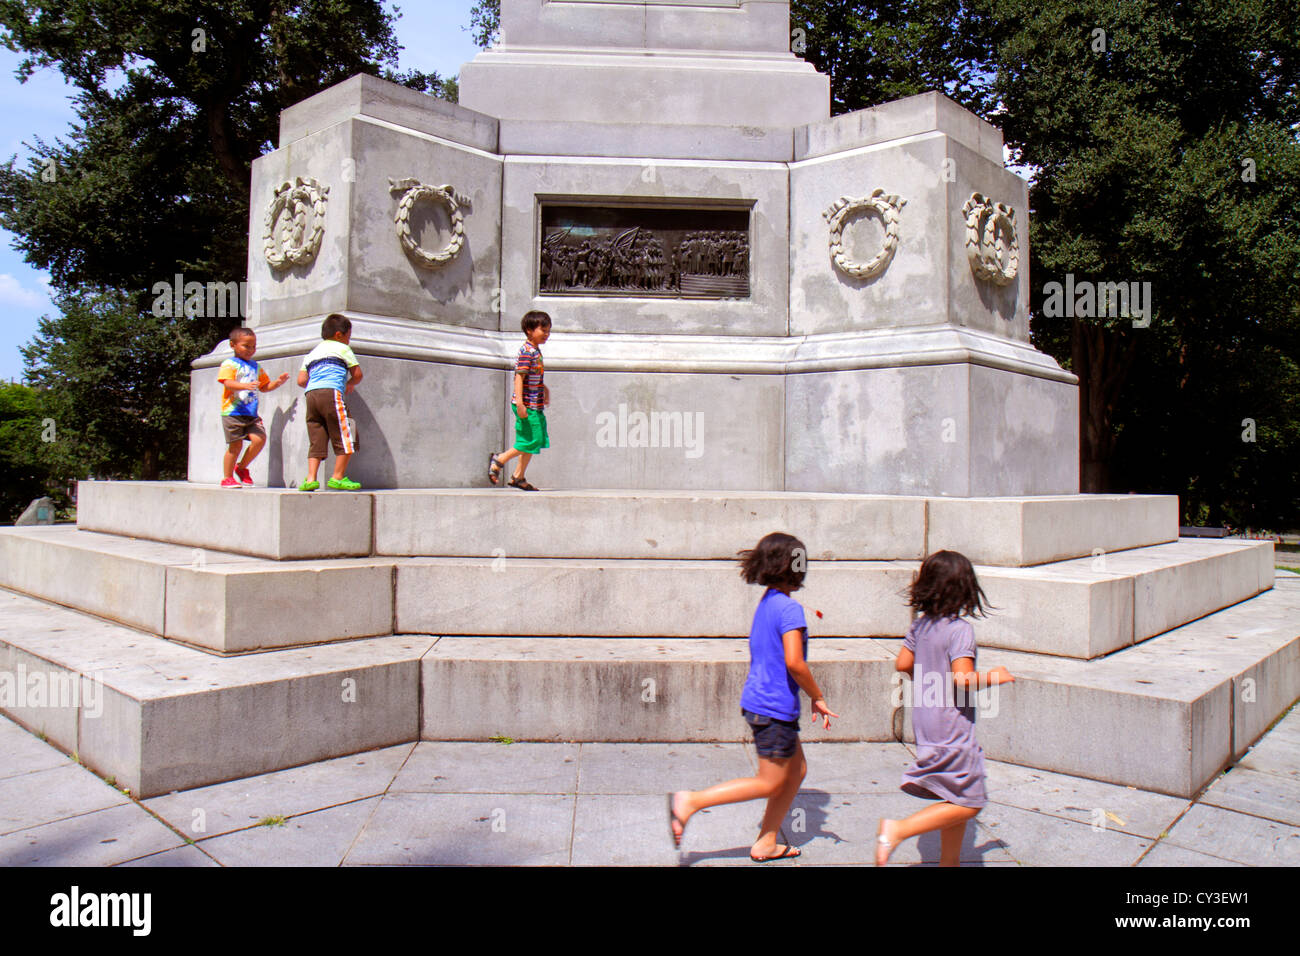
(1102,360)
(149,463)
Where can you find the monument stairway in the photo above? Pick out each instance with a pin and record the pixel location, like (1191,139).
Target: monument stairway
(219,634)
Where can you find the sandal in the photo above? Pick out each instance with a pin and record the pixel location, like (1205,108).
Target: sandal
(787,852)
(494,469)
(521,484)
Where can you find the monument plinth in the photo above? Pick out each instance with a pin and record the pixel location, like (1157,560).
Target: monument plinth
(759,310)
(747,293)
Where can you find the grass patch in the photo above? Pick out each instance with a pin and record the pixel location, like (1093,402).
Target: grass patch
(275,821)
(1283,567)
(501,739)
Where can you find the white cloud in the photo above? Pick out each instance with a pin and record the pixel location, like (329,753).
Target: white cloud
(13,293)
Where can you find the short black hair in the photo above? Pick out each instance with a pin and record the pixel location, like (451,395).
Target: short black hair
(335,323)
(533,319)
(946,586)
(778,561)
(239,333)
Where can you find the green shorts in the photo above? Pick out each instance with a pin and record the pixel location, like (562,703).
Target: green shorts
(530,432)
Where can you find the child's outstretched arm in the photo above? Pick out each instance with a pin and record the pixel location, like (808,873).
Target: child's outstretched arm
(798,668)
(965,677)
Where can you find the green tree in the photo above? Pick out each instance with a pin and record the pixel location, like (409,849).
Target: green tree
(874,52)
(174,102)
(1163,141)
(485,21)
(24,424)
(108,371)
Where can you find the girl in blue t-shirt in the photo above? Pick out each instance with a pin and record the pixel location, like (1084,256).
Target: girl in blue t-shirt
(778,646)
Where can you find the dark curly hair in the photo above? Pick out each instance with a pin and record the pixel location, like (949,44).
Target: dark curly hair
(777,561)
(946,587)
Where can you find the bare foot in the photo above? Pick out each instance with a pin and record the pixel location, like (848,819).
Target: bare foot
(884,842)
(676,817)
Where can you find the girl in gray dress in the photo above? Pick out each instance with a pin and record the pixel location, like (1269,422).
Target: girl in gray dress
(939,655)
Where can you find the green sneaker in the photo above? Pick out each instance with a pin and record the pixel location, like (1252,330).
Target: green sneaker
(309,485)
(344,484)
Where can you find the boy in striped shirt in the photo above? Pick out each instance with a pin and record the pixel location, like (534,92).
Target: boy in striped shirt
(531,396)
(328,372)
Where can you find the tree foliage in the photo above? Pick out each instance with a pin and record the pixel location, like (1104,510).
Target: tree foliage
(1163,139)
(27,471)
(174,102)
(883,50)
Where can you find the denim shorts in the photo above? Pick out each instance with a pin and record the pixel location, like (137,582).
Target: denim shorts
(774,738)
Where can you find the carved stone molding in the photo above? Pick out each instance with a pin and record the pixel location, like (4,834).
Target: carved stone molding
(843,210)
(414,191)
(992,245)
(290,244)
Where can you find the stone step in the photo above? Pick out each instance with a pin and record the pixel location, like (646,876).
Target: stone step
(1081,609)
(234,604)
(1165,716)
(225,603)
(489,522)
(159,716)
(263,522)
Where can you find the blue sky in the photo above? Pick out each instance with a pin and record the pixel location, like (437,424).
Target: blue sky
(430,30)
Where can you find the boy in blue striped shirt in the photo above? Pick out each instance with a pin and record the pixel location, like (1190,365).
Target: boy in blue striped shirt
(328,372)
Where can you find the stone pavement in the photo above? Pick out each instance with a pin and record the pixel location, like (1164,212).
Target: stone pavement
(593,804)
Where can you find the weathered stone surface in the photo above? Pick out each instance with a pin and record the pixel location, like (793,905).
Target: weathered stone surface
(254,521)
(40,511)
(172,717)
(1018,532)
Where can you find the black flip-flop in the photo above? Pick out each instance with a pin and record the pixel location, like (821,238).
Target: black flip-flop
(789,853)
(521,484)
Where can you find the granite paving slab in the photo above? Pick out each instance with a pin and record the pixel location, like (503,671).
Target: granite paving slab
(24,752)
(1037,839)
(1270,796)
(322,838)
(45,796)
(227,807)
(437,767)
(1237,836)
(632,830)
(842,827)
(1166,854)
(855,767)
(467,829)
(182,856)
(101,838)
(1113,806)
(1276,755)
(658,768)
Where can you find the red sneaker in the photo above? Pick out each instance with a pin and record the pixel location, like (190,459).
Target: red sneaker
(244,476)
(230,483)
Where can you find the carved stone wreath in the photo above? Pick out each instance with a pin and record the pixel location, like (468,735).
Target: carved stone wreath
(290,244)
(887,207)
(414,191)
(991,240)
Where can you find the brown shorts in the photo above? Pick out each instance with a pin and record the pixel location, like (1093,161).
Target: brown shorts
(239,427)
(327,419)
